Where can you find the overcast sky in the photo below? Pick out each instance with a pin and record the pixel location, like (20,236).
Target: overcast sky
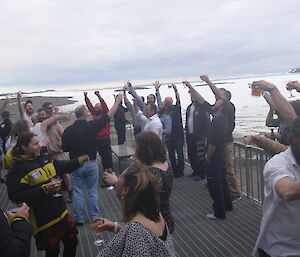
(47,43)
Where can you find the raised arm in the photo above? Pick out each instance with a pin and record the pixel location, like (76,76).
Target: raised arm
(114,108)
(88,103)
(283,107)
(196,95)
(177,96)
(20,105)
(157,93)
(102,102)
(48,122)
(293,85)
(139,101)
(217,92)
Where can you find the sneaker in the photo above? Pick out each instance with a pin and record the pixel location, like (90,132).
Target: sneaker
(235,198)
(211,216)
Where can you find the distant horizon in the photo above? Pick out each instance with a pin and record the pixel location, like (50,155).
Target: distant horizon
(120,83)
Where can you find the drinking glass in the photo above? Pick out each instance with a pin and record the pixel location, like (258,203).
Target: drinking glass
(57,179)
(247,141)
(290,90)
(95,230)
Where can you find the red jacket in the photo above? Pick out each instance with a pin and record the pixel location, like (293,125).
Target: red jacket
(105,132)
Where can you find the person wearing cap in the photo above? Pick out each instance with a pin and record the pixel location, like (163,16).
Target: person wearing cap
(28,107)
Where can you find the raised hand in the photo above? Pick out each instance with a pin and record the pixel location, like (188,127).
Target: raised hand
(97,93)
(128,84)
(119,98)
(205,78)
(293,85)
(188,84)
(85,94)
(262,85)
(156,85)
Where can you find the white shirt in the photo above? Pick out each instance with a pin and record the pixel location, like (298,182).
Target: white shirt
(280,226)
(191,119)
(36,129)
(152,124)
(28,119)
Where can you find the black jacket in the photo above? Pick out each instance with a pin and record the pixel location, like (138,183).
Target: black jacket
(25,183)
(14,238)
(80,138)
(201,121)
(119,117)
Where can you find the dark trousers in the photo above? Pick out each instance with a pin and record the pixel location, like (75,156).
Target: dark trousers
(218,189)
(121,134)
(262,253)
(175,146)
(70,245)
(104,150)
(196,154)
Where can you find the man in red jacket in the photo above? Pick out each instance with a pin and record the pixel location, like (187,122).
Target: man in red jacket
(103,135)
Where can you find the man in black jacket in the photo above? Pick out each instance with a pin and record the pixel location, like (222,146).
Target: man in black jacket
(80,139)
(196,126)
(15,233)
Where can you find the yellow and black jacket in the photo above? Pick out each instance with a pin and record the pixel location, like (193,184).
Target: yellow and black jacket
(25,183)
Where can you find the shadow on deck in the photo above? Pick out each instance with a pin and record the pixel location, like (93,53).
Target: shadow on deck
(194,234)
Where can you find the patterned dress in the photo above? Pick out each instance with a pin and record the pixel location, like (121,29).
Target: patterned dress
(135,240)
(166,189)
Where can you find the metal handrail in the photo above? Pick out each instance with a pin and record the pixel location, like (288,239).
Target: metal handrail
(249,162)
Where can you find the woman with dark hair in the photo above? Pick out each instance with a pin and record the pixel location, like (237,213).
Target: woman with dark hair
(20,127)
(145,232)
(150,151)
(29,181)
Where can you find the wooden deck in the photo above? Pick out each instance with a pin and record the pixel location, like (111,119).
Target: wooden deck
(194,234)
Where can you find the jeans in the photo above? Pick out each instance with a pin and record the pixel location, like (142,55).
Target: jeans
(218,190)
(86,176)
(175,146)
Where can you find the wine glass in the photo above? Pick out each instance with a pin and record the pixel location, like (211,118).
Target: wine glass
(57,179)
(95,230)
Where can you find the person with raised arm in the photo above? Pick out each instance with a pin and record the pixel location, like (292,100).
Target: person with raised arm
(80,139)
(293,85)
(175,140)
(196,126)
(283,107)
(142,105)
(28,107)
(225,95)
(103,135)
(137,126)
(280,225)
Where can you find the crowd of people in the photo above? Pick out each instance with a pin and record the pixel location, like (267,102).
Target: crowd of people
(40,154)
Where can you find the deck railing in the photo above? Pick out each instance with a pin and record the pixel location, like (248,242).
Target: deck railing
(249,164)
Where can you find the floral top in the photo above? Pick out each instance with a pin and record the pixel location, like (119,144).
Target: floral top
(166,189)
(135,240)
